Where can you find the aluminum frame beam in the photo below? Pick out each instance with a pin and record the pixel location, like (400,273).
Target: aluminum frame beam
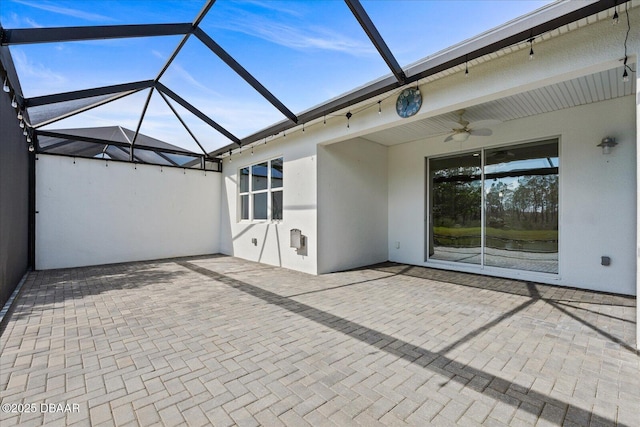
(194,25)
(377,40)
(163,96)
(144,111)
(546,20)
(171,94)
(69,34)
(242,72)
(83,109)
(86,93)
(114,143)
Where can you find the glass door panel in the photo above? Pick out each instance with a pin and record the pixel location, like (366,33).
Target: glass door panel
(455,205)
(521,207)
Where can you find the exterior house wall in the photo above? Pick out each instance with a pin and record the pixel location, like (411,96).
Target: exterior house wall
(352,205)
(299,208)
(597,193)
(309,203)
(594,188)
(93,212)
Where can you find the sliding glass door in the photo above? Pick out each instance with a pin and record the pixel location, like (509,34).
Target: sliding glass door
(456,213)
(496,208)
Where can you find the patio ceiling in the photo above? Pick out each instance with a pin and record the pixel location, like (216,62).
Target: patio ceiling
(197,36)
(583,90)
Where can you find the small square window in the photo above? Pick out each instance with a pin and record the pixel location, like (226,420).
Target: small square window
(260,191)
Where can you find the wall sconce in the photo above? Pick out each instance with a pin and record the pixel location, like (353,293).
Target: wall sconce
(607,144)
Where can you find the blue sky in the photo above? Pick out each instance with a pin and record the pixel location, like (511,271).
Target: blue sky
(304,52)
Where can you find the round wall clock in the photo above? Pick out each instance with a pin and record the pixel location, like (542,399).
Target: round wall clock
(409,102)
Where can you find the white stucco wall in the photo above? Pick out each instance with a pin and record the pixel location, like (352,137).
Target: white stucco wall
(299,208)
(597,193)
(352,205)
(637,261)
(90,213)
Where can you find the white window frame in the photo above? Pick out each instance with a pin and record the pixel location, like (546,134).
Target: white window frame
(250,193)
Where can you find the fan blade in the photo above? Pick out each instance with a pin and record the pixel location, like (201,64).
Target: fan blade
(481,132)
(449,138)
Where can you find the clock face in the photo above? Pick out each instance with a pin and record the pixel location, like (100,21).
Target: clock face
(409,102)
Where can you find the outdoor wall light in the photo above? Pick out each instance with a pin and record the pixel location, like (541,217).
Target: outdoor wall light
(607,144)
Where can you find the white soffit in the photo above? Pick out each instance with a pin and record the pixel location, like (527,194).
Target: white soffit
(587,89)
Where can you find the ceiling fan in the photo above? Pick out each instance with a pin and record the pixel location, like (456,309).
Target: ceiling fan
(463,129)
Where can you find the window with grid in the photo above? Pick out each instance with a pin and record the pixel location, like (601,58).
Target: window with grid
(260,191)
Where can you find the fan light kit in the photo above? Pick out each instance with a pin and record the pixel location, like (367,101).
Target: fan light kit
(463,129)
(461,136)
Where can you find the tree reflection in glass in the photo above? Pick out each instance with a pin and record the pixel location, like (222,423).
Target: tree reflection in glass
(521,207)
(519,229)
(455,202)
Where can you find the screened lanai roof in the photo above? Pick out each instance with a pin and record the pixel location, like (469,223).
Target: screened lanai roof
(206,76)
(114,143)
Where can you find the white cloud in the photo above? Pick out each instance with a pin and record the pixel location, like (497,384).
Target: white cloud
(185,76)
(75,13)
(290,36)
(32,23)
(36,75)
(275,6)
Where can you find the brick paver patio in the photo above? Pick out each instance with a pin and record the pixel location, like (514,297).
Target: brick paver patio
(222,341)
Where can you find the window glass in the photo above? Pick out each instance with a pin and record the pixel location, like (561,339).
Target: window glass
(244,207)
(259,177)
(521,207)
(455,233)
(276,205)
(244,180)
(260,206)
(276,173)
